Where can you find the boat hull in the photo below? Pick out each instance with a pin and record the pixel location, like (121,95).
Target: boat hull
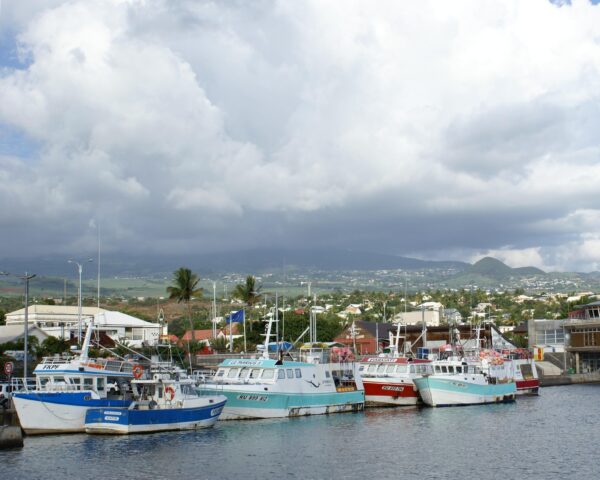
(244,404)
(378,394)
(125,421)
(448,391)
(528,387)
(57,412)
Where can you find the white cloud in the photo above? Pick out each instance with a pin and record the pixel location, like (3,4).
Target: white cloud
(434,114)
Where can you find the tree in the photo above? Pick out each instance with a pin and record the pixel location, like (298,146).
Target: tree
(249,292)
(53,345)
(184,288)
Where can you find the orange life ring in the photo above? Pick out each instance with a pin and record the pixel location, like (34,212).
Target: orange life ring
(169,393)
(138,371)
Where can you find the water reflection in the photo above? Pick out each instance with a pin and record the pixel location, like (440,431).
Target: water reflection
(550,436)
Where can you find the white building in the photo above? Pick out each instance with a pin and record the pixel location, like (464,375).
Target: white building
(431,317)
(63,322)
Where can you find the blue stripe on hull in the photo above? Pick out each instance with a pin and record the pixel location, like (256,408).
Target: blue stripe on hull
(448,391)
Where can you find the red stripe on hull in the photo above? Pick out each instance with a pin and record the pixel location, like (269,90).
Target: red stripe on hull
(380,393)
(528,386)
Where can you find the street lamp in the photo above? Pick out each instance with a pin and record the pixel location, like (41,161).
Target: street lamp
(80,270)
(26,279)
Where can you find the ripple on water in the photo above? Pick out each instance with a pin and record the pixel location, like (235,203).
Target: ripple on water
(550,436)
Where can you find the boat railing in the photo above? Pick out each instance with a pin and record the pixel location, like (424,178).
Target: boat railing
(99,363)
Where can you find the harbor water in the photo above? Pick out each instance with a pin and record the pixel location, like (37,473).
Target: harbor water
(553,436)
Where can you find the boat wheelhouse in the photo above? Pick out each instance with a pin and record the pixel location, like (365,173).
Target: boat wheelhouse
(389,381)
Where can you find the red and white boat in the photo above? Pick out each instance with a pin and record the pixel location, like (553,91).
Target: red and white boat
(388,381)
(522,367)
(526,376)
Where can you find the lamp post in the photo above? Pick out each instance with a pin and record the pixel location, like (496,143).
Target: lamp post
(26,279)
(80,270)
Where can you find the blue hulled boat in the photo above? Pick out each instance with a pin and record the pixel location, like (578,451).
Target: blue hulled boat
(159,404)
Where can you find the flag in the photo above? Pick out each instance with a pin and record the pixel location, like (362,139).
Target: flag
(235,317)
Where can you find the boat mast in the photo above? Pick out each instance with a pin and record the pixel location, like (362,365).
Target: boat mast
(86,342)
(267,338)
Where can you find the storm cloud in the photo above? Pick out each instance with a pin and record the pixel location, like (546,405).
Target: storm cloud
(443,130)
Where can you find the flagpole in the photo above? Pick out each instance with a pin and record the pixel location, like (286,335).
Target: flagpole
(230,334)
(244,322)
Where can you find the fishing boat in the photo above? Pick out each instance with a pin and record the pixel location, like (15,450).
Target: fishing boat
(159,404)
(319,382)
(525,371)
(66,387)
(389,381)
(466,379)
(389,378)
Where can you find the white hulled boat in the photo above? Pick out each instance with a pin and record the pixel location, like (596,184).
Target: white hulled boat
(388,379)
(467,379)
(66,387)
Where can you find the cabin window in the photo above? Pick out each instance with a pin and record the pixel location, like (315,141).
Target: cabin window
(458,369)
(58,379)
(390,368)
(444,369)
(268,374)
(361,368)
(160,393)
(220,372)
(233,373)
(244,372)
(88,383)
(401,368)
(44,381)
(290,373)
(381,368)
(411,369)
(254,373)
(437,369)
(298,373)
(100,384)
(281,374)
(327,374)
(372,368)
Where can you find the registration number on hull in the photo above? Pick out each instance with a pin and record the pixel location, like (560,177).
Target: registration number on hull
(253,398)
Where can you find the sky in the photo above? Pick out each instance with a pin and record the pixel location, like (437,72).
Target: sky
(433,129)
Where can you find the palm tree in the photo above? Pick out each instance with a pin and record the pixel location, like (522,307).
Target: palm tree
(249,292)
(184,288)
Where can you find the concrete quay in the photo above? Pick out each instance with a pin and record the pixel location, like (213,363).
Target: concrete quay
(569,379)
